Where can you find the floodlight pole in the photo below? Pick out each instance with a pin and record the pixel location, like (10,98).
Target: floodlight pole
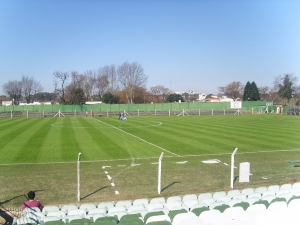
(159,173)
(232,167)
(78,177)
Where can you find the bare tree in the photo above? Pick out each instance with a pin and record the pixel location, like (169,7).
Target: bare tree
(27,84)
(89,84)
(160,92)
(60,79)
(264,93)
(102,83)
(14,90)
(36,88)
(131,77)
(233,90)
(112,77)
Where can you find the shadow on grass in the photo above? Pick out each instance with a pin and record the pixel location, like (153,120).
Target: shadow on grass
(94,192)
(235,179)
(8,213)
(162,190)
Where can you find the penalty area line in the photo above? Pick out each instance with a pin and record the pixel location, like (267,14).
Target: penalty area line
(141,139)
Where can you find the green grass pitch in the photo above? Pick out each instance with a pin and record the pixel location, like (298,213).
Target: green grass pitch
(42,154)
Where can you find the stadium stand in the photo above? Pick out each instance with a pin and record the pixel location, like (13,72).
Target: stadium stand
(264,205)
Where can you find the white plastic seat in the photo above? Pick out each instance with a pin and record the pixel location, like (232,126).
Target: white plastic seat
(106,205)
(232,202)
(116,209)
(277,207)
(269,192)
(182,218)
(294,204)
(241,196)
(247,191)
(252,200)
(94,216)
(97,211)
(286,196)
(68,207)
(280,192)
(174,198)
(261,189)
(173,205)
(206,214)
(49,218)
(255,195)
(296,186)
(232,193)
(234,212)
(50,208)
(203,196)
(208,201)
(135,208)
(225,199)
(154,206)
(158,218)
(190,203)
(213,205)
(87,206)
(200,205)
(161,200)
(59,214)
(118,214)
(269,198)
(69,218)
(219,194)
(217,219)
(274,188)
(79,212)
(126,203)
(256,208)
(141,201)
(287,187)
(189,197)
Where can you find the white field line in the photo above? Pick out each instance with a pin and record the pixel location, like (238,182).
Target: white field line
(112,160)
(141,139)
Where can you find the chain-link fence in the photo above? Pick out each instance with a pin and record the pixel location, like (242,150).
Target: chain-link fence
(129,179)
(162,109)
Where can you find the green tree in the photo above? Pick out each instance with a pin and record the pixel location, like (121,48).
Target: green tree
(77,96)
(247,92)
(251,92)
(286,88)
(255,95)
(108,98)
(174,98)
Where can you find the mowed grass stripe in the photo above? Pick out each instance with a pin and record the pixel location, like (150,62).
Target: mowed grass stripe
(33,141)
(132,141)
(12,142)
(98,142)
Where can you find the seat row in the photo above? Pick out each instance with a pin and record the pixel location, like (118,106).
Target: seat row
(258,214)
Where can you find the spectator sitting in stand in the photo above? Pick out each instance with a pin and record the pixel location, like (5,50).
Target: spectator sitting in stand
(31,202)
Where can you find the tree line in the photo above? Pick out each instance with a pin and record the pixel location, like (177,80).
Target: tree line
(284,90)
(126,83)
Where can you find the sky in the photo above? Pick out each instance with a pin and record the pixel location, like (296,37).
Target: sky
(184,45)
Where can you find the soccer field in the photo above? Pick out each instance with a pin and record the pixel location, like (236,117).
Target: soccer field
(41,154)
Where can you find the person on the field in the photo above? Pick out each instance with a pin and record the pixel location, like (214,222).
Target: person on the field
(124,117)
(120,115)
(31,202)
